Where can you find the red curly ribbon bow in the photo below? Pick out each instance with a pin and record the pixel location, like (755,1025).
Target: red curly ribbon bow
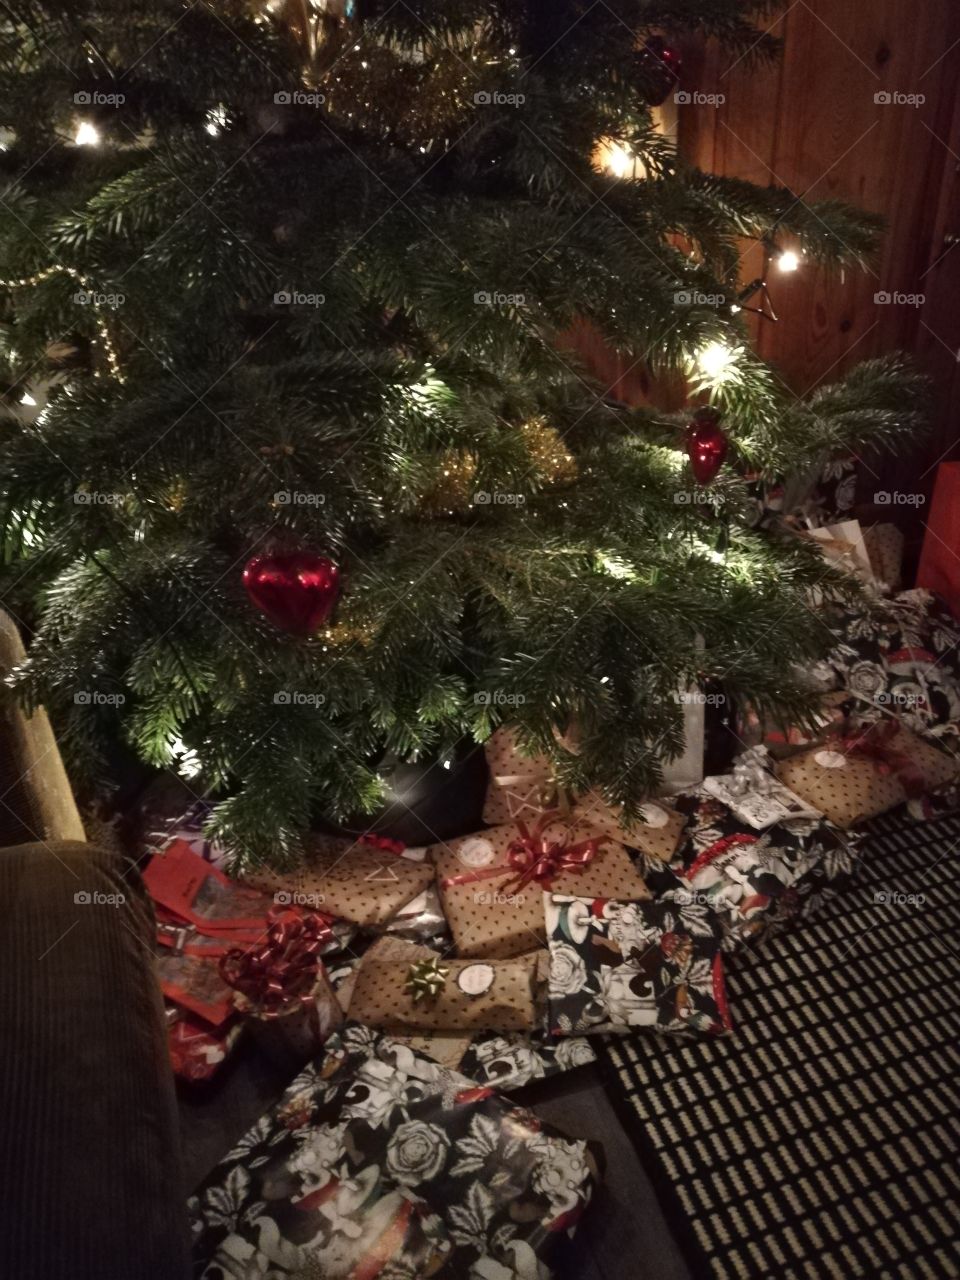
(283,971)
(536,857)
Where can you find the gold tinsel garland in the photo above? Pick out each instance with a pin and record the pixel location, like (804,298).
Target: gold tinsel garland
(452,489)
(552,461)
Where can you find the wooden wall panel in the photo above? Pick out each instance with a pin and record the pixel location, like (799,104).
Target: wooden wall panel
(811,123)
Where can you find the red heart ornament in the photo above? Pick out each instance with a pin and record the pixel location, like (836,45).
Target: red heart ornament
(296,591)
(706,445)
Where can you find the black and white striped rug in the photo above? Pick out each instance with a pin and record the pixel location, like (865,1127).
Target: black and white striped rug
(821,1139)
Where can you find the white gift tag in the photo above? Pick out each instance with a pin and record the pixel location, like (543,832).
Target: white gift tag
(831,759)
(476,852)
(476,979)
(654,815)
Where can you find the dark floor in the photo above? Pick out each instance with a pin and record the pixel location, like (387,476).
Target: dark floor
(623,1236)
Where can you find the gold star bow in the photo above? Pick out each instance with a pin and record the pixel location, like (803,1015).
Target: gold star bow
(425,979)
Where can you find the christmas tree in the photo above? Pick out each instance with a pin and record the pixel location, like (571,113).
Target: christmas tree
(288,285)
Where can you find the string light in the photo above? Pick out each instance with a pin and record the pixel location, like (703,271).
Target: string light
(28,400)
(28,282)
(216,120)
(715,360)
(617,160)
(789,261)
(87,135)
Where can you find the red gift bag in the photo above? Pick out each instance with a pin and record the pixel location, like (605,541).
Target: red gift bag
(940,562)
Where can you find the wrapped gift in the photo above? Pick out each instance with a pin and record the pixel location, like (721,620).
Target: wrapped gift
(378,1162)
(187,886)
(491,883)
(782,738)
(442,994)
(421,919)
(194,983)
(616,966)
(940,559)
(521,787)
(755,796)
(356,881)
(511,1060)
(903,658)
(885,543)
(741,874)
(843,547)
(188,826)
(445,1047)
(656,833)
(282,988)
(198,1050)
(856,777)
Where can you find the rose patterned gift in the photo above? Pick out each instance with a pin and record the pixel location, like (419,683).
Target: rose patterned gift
(520,786)
(377,1163)
(854,777)
(901,657)
(746,876)
(491,883)
(657,832)
(615,966)
(441,994)
(363,882)
(513,1059)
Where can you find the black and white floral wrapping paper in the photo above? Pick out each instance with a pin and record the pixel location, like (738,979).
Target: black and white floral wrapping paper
(379,1163)
(748,878)
(618,966)
(900,658)
(514,1059)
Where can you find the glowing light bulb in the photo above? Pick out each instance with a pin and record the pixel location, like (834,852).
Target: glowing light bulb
(87,135)
(714,361)
(185,759)
(27,399)
(788,261)
(216,120)
(619,160)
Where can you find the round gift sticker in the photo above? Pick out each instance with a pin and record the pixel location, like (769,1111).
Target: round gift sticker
(831,759)
(476,979)
(654,815)
(476,852)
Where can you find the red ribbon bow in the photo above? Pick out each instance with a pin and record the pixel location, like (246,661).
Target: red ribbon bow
(536,857)
(283,971)
(383,842)
(876,743)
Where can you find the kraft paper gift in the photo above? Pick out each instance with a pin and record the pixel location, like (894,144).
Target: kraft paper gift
(854,778)
(885,543)
(491,915)
(656,834)
(447,1048)
(355,881)
(520,786)
(465,995)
